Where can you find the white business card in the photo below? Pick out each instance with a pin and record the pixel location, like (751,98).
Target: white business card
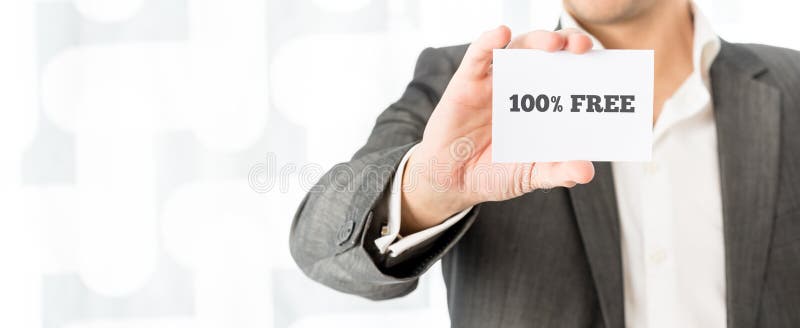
(558,106)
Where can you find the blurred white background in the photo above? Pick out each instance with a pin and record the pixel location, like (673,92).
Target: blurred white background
(142,142)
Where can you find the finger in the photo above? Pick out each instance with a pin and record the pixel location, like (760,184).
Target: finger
(576,41)
(479,53)
(540,39)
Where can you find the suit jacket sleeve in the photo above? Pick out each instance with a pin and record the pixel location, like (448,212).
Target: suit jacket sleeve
(333,233)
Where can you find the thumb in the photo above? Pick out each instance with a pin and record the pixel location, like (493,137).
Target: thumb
(562,174)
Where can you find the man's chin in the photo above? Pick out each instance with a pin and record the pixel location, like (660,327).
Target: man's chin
(606,11)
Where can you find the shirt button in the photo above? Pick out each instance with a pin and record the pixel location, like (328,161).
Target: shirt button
(651,168)
(658,256)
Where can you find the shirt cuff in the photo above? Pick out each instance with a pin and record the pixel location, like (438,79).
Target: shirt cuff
(390,241)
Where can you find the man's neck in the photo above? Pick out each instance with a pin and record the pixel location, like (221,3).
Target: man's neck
(668,29)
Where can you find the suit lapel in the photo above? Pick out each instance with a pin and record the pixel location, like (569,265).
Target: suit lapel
(595,207)
(747,114)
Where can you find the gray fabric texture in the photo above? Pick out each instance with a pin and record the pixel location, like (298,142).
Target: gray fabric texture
(552,259)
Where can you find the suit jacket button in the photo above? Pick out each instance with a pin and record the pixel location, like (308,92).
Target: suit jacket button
(345,231)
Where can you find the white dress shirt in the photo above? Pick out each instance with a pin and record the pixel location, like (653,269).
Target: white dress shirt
(670,209)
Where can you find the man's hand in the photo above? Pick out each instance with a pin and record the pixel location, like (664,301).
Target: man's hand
(451,169)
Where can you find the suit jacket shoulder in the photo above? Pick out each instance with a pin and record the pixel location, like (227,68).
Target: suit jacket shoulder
(783,67)
(452,55)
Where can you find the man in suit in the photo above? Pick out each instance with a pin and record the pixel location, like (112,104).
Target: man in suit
(705,235)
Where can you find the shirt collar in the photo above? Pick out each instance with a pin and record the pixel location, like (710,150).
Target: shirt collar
(704,48)
(706,43)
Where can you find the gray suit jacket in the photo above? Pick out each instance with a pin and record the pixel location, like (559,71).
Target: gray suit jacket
(553,259)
